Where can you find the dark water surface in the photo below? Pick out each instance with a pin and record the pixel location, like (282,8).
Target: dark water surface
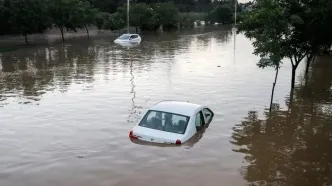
(65,114)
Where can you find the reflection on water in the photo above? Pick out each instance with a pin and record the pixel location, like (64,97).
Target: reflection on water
(128,45)
(36,71)
(135,110)
(66,110)
(292,146)
(41,69)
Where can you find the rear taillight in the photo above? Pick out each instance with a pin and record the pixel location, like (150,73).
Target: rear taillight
(131,135)
(178,142)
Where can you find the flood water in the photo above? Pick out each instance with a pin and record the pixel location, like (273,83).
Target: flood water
(65,114)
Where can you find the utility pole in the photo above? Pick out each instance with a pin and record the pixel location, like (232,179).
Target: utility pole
(128,16)
(235,9)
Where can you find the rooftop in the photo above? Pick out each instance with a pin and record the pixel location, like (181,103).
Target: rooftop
(176,107)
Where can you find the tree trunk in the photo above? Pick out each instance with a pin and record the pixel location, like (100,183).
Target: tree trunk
(291,96)
(293,77)
(26,38)
(309,58)
(274,85)
(87,31)
(61,29)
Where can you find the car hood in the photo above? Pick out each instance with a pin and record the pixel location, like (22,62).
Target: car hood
(156,136)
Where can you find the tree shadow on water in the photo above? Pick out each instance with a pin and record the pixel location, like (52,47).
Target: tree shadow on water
(32,72)
(292,146)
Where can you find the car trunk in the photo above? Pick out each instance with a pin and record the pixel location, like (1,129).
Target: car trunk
(155,136)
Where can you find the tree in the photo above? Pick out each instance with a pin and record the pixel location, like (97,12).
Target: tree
(114,21)
(272,61)
(28,17)
(303,28)
(185,5)
(203,5)
(66,14)
(5,14)
(167,14)
(272,27)
(89,15)
(290,147)
(186,20)
(141,16)
(109,6)
(100,19)
(316,17)
(220,14)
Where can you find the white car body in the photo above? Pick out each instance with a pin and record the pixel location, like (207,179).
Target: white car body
(170,110)
(128,38)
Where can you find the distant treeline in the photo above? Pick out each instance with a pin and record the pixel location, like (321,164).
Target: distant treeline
(35,16)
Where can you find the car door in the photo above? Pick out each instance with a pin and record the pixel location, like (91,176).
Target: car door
(199,121)
(208,115)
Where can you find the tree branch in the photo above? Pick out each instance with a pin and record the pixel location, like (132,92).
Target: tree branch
(291,59)
(300,58)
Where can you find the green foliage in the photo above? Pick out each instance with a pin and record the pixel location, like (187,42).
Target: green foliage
(220,14)
(267,26)
(289,29)
(316,26)
(101,18)
(109,6)
(167,14)
(66,14)
(5,14)
(240,16)
(268,62)
(71,14)
(114,21)
(141,16)
(186,20)
(196,16)
(297,29)
(89,13)
(25,17)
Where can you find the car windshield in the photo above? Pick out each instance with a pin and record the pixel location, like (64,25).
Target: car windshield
(165,121)
(124,37)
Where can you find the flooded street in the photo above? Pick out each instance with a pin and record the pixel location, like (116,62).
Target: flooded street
(66,111)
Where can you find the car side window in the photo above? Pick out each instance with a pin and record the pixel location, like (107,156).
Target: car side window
(199,121)
(208,115)
(134,37)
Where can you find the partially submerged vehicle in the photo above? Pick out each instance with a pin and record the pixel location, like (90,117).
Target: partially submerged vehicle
(172,122)
(128,38)
(128,45)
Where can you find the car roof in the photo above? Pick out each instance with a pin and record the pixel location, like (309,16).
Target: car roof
(129,34)
(177,107)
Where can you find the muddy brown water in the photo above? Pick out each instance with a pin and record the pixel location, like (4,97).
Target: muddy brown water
(65,114)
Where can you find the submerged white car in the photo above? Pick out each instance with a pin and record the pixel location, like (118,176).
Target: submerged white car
(128,38)
(172,122)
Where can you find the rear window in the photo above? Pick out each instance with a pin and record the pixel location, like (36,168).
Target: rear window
(165,121)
